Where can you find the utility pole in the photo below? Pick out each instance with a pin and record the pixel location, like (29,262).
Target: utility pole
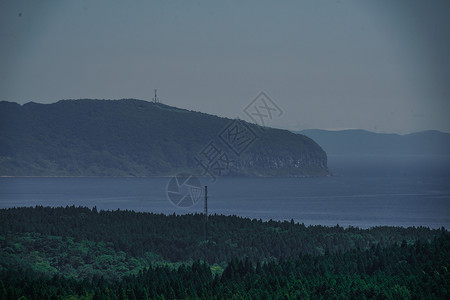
(206,203)
(206,215)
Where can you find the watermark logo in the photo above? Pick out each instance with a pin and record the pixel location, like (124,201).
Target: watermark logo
(184,190)
(262,108)
(218,156)
(238,136)
(213,160)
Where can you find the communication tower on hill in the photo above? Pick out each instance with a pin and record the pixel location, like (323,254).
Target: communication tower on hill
(156,99)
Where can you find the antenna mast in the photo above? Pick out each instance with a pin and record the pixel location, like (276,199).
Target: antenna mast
(156,99)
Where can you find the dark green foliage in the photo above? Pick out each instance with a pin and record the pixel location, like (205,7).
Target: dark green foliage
(51,255)
(418,271)
(54,253)
(134,138)
(176,238)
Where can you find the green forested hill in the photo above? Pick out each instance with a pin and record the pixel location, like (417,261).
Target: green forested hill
(54,253)
(136,138)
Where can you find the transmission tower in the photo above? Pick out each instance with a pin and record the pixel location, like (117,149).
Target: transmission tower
(206,203)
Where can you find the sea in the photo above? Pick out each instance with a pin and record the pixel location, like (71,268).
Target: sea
(363,191)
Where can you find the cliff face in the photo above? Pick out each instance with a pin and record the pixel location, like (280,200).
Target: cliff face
(259,163)
(139,138)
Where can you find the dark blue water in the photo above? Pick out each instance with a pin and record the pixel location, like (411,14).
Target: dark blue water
(363,192)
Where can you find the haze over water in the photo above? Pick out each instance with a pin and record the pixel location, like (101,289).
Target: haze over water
(394,191)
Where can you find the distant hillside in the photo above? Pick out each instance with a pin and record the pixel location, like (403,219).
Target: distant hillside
(361,142)
(137,138)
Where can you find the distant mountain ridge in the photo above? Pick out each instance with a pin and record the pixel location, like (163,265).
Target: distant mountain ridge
(132,137)
(362,142)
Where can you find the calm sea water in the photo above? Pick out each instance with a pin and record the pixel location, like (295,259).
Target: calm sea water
(364,192)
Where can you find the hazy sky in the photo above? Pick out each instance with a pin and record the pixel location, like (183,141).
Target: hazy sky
(383,66)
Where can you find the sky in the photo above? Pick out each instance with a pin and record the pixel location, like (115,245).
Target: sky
(382,66)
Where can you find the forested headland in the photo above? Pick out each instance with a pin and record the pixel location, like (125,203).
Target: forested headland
(132,137)
(64,252)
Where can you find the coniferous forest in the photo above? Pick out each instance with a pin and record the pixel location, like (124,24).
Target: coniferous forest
(82,253)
